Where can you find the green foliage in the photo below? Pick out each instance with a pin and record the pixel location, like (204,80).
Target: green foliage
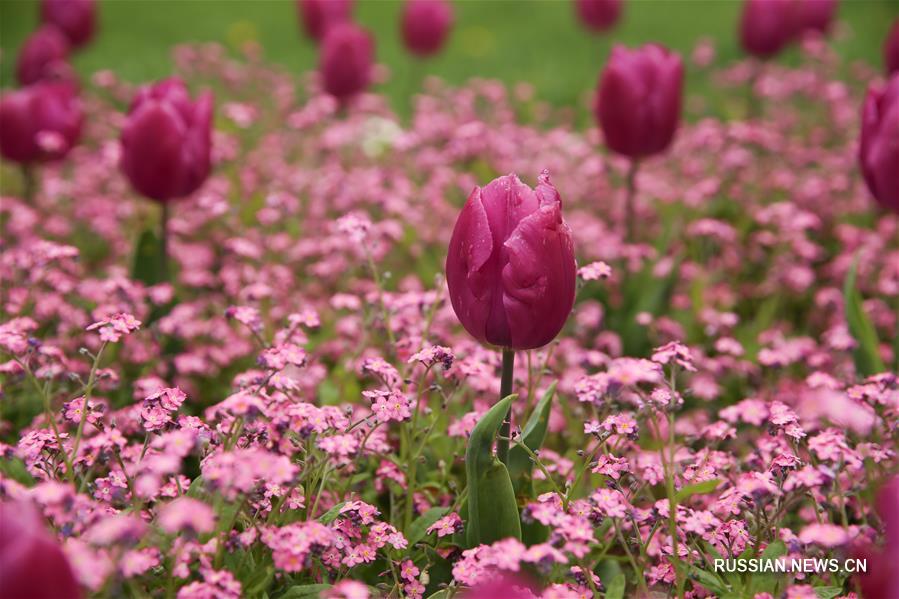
(533,434)
(696,489)
(867,354)
(492,508)
(420,525)
(147,267)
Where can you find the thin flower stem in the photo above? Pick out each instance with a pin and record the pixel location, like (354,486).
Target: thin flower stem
(385,314)
(164,242)
(630,212)
(505,389)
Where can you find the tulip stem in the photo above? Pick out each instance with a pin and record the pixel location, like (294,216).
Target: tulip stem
(164,243)
(629,216)
(29,183)
(505,390)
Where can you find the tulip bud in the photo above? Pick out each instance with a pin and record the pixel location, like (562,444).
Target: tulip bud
(167,140)
(347,58)
(32,564)
(891,49)
(318,16)
(598,15)
(40,122)
(76,18)
(767,26)
(510,268)
(815,15)
(879,146)
(426,24)
(639,101)
(43,56)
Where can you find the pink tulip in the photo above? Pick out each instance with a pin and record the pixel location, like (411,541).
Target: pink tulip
(318,16)
(598,15)
(767,26)
(76,18)
(639,101)
(347,58)
(815,15)
(32,564)
(880,580)
(426,25)
(40,122)
(891,49)
(167,140)
(44,55)
(879,145)
(510,266)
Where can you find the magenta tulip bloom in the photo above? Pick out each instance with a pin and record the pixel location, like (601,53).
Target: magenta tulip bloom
(44,55)
(318,16)
(510,267)
(815,15)
(76,18)
(32,564)
(639,101)
(167,140)
(426,25)
(879,147)
(767,26)
(347,58)
(40,122)
(880,580)
(598,15)
(891,49)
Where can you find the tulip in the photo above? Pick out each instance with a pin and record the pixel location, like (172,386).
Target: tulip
(879,145)
(510,267)
(767,26)
(347,58)
(891,49)
(815,15)
(426,25)
(166,146)
(639,101)
(511,272)
(638,106)
(40,122)
(44,55)
(166,141)
(76,18)
(318,16)
(880,580)
(32,564)
(598,15)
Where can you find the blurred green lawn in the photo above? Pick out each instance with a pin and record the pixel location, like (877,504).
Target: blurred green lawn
(522,40)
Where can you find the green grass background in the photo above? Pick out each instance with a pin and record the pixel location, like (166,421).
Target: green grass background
(538,41)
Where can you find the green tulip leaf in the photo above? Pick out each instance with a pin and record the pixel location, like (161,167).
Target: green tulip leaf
(147,267)
(491,497)
(533,434)
(867,354)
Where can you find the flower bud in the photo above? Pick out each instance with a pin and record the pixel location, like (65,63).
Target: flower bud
(167,140)
(879,146)
(32,564)
(639,101)
(426,25)
(891,49)
(767,26)
(44,55)
(598,15)
(76,18)
(510,268)
(318,16)
(40,122)
(815,15)
(347,58)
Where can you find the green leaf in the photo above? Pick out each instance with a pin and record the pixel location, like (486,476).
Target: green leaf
(532,436)
(441,594)
(15,469)
(421,524)
(331,514)
(305,590)
(696,489)
(612,578)
(774,550)
(867,354)
(828,592)
(147,266)
(709,581)
(491,497)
